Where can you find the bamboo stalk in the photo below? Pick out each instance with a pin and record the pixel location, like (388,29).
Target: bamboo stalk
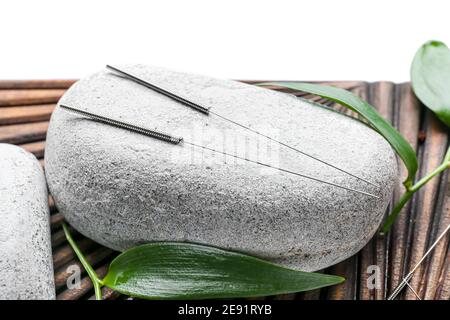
(29,97)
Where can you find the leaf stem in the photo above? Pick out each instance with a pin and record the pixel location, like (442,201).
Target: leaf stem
(410,192)
(97,283)
(398,207)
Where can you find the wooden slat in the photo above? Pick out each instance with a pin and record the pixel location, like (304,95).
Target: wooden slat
(432,155)
(93,258)
(23,133)
(37,148)
(407,121)
(58,238)
(417,226)
(24,114)
(65,254)
(381,96)
(85,286)
(443,289)
(36,84)
(311,295)
(51,204)
(435,276)
(29,97)
(107,294)
(56,220)
(347,290)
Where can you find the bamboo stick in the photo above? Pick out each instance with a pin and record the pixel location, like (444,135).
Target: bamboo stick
(37,148)
(348,268)
(433,280)
(443,289)
(407,121)
(435,275)
(374,253)
(23,133)
(36,84)
(56,220)
(29,97)
(432,155)
(93,258)
(348,289)
(51,203)
(58,238)
(85,286)
(25,114)
(65,254)
(108,294)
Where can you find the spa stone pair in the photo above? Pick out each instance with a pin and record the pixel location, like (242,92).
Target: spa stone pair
(123,189)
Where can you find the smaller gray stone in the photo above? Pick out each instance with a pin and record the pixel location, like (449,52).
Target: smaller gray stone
(26,267)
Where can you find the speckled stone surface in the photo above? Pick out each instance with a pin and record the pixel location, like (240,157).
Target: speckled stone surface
(123,189)
(26,265)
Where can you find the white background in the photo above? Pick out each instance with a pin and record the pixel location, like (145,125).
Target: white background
(244,39)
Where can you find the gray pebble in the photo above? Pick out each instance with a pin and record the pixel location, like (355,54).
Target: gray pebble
(123,189)
(26,265)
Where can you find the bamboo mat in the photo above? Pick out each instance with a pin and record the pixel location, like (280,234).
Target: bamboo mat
(25,109)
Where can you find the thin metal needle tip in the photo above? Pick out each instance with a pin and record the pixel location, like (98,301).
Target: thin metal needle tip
(296,150)
(283,170)
(177,140)
(208,111)
(405,280)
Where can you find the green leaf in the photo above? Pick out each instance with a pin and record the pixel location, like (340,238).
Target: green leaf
(430,76)
(353,102)
(169,270)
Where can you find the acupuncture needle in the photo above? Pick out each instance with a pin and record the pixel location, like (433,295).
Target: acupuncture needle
(208,111)
(178,140)
(408,277)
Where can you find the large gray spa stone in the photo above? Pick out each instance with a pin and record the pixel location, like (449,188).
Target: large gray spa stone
(26,265)
(123,189)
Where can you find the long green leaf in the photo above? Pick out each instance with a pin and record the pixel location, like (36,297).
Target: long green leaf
(351,101)
(168,270)
(430,76)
